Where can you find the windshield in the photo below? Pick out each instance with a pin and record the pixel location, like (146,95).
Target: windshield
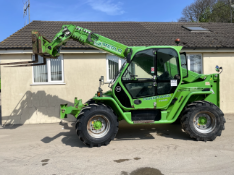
(141,67)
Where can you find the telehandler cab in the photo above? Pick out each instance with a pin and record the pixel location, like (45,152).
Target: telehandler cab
(153,86)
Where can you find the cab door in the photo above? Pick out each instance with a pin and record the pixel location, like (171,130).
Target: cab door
(139,79)
(168,75)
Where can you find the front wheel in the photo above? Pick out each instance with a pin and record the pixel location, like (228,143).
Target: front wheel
(203,121)
(97,125)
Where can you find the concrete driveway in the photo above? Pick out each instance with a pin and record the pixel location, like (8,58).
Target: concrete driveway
(137,150)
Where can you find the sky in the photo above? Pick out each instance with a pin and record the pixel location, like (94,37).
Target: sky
(12,20)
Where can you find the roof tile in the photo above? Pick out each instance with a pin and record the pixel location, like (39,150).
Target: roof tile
(131,33)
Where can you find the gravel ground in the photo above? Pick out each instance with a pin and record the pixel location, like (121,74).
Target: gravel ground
(137,150)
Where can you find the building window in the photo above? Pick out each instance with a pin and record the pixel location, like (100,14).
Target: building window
(195,63)
(51,73)
(113,63)
(196,29)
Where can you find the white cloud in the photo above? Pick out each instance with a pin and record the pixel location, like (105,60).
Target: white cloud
(107,6)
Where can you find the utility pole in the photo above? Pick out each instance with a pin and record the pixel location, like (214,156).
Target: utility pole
(198,16)
(231,6)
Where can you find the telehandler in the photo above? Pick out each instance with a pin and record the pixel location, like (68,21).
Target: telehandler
(153,86)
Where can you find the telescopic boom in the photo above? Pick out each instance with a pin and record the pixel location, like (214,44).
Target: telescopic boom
(51,49)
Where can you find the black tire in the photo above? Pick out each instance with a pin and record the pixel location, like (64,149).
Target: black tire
(212,117)
(84,122)
(90,101)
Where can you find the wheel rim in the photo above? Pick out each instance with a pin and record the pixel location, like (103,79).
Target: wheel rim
(204,122)
(98,126)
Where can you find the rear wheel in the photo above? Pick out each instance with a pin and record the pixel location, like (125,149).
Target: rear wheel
(203,121)
(97,125)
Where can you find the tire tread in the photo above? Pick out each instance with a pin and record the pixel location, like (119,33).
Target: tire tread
(78,126)
(188,112)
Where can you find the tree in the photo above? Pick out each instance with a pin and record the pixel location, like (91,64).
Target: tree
(192,12)
(206,16)
(207,11)
(220,12)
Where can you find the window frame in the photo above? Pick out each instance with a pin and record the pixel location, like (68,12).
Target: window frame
(184,53)
(189,27)
(107,66)
(48,63)
(188,60)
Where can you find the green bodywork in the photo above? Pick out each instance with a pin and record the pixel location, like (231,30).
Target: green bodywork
(74,110)
(44,47)
(193,87)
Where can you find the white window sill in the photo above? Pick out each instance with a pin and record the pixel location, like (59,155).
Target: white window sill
(42,84)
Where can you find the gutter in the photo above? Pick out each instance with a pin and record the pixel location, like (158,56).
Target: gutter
(208,49)
(64,51)
(95,51)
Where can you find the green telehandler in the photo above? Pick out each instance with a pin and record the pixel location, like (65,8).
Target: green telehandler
(153,86)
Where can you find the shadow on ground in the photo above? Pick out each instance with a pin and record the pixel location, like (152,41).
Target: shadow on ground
(143,171)
(150,131)
(126,132)
(69,136)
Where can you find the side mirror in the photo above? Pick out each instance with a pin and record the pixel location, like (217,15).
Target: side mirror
(218,69)
(129,58)
(101,80)
(129,55)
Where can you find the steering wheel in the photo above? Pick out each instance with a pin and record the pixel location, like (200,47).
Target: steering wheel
(177,77)
(164,76)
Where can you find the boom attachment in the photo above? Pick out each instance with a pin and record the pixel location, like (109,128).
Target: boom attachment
(51,49)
